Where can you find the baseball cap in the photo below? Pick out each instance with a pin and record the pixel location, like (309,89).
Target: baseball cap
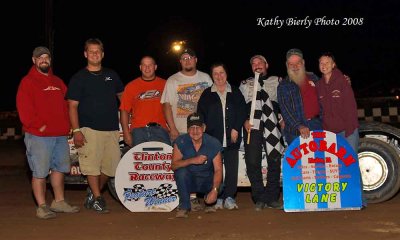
(188,51)
(259,57)
(294,51)
(39,51)
(194,119)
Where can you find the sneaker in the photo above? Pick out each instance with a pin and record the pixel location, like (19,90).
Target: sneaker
(196,205)
(230,204)
(259,206)
(99,205)
(182,213)
(44,212)
(89,200)
(219,204)
(63,207)
(275,205)
(209,209)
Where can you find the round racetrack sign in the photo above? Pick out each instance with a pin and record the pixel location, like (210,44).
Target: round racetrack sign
(144,181)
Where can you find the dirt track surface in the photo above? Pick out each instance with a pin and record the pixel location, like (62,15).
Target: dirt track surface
(18,220)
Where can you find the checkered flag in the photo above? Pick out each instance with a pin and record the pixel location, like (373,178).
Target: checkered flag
(135,189)
(164,191)
(264,113)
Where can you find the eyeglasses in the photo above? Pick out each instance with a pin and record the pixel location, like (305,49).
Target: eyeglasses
(187,58)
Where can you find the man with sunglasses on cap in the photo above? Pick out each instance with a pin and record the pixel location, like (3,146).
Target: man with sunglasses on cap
(197,165)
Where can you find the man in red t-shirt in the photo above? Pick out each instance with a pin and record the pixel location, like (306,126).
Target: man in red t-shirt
(141,107)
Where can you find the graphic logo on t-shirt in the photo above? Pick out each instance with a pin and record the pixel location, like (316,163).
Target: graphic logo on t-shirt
(149,94)
(51,88)
(188,96)
(336,93)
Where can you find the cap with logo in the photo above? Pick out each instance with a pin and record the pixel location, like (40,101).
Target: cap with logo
(194,119)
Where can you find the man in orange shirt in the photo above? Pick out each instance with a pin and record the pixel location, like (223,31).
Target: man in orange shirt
(141,107)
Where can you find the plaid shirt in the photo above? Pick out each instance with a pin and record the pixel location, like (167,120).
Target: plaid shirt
(291,104)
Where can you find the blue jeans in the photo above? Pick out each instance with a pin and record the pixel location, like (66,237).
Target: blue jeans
(352,139)
(147,134)
(188,182)
(47,153)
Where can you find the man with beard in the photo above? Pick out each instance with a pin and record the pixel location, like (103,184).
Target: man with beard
(180,96)
(44,115)
(182,92)
(263,134)
(298,98)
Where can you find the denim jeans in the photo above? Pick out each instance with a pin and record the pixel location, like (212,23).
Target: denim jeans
(188,182)
(147,134)
(353,139)
(47,153)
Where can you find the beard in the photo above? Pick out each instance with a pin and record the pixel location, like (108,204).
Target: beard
(44,68)
(297,76)
(188,69)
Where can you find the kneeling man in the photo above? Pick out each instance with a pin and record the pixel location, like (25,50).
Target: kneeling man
(197,164)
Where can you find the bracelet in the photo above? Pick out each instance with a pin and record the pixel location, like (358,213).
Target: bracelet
(76,130)
(215,189)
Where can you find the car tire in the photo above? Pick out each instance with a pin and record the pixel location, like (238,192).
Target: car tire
(379,165)
(111,188)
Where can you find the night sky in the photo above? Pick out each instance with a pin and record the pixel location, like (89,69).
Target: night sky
(217,31)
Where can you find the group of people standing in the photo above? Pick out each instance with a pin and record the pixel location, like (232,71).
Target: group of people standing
(204,118)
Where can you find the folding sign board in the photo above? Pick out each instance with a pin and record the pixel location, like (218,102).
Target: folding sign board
(321,173)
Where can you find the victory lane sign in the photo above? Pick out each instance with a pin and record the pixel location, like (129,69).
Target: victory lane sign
(321,173)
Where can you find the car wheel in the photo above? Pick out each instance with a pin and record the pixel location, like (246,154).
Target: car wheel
(379,166)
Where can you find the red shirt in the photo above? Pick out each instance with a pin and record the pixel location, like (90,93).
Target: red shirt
(40,101)
(310,99)
(142,99)
(338,104)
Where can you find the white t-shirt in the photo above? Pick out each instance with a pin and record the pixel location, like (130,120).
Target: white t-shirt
(183,93)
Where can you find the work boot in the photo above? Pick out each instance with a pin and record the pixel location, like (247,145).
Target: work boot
(182,213)
(196,205)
